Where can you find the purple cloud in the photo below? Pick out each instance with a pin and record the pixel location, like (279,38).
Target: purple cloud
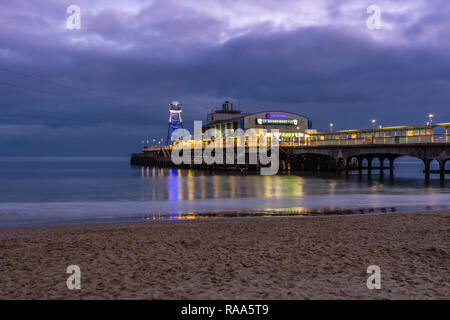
(130,59)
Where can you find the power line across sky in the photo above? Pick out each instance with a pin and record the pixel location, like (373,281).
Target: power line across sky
(79,91)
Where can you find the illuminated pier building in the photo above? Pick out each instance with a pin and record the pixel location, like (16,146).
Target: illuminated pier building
(305,149)
(292,127)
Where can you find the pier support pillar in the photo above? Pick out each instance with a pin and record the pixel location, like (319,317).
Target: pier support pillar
(341,165)
(442,170)
(283,165)
(391,167)
(381,165)
(360,162)
(369,166)
(427,163)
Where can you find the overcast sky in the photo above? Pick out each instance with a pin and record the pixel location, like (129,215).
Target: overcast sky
(102,89)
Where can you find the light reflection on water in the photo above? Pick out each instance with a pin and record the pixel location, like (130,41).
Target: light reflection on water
(55,190)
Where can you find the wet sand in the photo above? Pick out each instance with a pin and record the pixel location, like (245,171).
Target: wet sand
(248,258)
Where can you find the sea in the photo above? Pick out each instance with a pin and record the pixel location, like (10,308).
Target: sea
(69,190)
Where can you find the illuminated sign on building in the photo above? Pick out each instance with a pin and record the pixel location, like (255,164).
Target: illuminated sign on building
(275,115)
(288,135)
(291,134)
(277,121)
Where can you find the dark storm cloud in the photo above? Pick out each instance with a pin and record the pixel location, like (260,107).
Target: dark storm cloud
(118,73)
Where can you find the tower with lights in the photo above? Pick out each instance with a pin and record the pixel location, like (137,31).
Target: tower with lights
(175,122)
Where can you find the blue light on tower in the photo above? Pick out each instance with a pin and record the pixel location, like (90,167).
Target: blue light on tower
(175,122)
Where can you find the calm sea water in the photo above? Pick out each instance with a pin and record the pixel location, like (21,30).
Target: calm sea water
(70,190)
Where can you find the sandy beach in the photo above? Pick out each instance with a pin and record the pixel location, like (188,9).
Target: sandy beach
(249,258)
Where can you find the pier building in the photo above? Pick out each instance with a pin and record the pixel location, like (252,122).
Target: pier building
(292,127)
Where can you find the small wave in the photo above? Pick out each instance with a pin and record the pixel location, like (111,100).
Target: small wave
(67,212)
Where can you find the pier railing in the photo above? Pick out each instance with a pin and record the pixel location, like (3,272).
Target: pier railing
(426,134)
(439,133)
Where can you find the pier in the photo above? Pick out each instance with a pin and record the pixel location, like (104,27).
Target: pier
(343,151)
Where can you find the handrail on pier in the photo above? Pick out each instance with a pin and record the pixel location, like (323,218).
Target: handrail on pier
(426,134)
(387,135)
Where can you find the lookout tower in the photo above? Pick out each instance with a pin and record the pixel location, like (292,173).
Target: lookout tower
(175,122)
